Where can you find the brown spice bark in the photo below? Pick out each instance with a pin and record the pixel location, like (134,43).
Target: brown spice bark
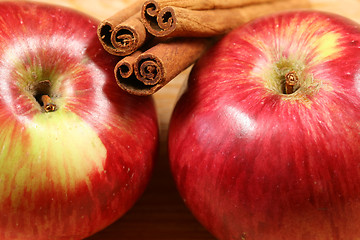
(122,33)
(173,21)
(125,67)
(154,68)
(129,36)
(208,4)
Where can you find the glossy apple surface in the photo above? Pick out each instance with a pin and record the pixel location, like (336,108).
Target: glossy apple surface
(71,172)
(255,163)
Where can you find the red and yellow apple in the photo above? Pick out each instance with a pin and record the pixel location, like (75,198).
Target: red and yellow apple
(68,169)
(264,144)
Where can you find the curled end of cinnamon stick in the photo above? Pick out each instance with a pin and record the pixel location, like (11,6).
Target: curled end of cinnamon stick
(123,37)
(166,21)
(158,22)
(123,69)
(128,37)
(143,77)
(149,69)
(150,8)
(104,32)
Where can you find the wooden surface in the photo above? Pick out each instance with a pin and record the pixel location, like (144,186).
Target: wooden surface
(160,213)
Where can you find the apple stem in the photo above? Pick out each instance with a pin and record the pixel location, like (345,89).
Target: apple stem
(291,79)
(47,103)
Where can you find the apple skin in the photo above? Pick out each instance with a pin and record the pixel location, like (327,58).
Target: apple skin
(254,163)
(69,173)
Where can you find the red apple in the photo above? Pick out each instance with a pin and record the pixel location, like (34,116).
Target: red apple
(69,169)
(254,161)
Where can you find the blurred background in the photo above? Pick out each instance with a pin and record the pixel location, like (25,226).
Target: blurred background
(160,213)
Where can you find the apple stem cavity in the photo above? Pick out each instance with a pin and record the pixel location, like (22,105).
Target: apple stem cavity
(291,79)
(41,92)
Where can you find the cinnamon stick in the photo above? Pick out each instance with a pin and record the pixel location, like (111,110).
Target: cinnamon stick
(122,33)
(172,21)
(125,67)
(206,4)
(151,70)
(129,36)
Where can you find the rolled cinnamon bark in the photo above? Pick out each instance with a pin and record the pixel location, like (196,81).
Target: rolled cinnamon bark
(129,36)
(207,4)
(172,21)
(123,32)
(154,68)
(125,67)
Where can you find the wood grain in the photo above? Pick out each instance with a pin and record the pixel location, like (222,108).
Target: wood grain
(160,213)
